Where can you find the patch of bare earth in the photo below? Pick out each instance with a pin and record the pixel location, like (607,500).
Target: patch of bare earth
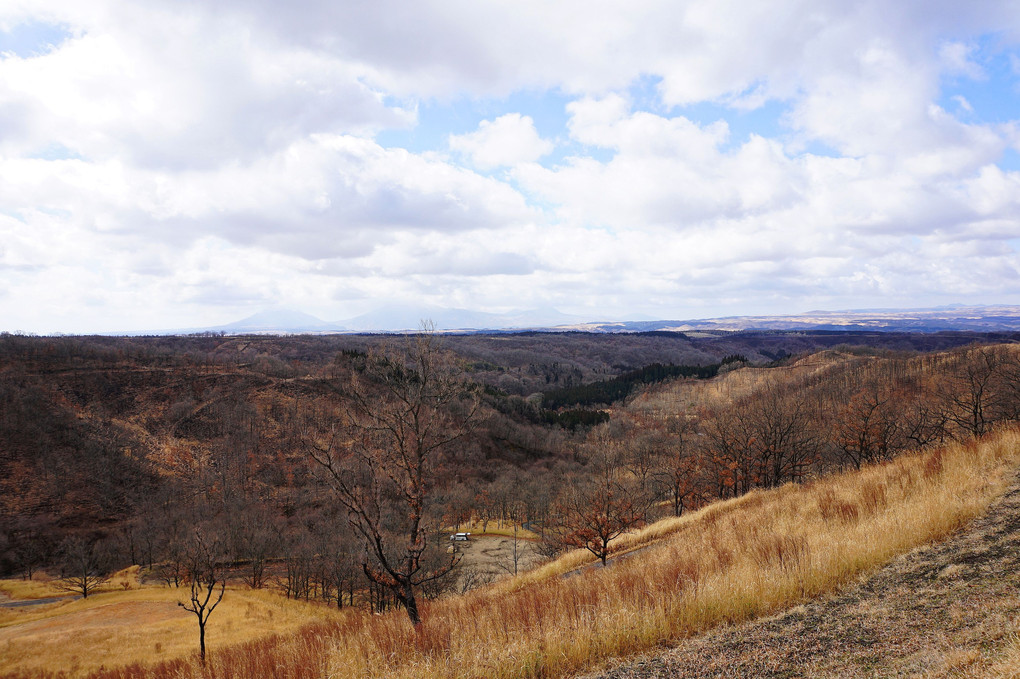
(944,610)
(485,558)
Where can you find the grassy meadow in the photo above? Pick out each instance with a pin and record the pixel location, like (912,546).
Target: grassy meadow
(728,562)
(127,623)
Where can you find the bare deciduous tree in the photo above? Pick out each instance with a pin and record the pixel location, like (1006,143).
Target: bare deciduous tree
(679,465)
(973,389)
(256,538)
(642,457)
(729,460)
(516,549)
(780,434)
(86,565)
(403,414)
(925,416)
(208,583)
(338,566)
(29,545)
(867,428)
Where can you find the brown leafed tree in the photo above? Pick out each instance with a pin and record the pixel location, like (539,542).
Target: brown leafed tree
(867,427)
(729,461)
(600,506)
(779,429)
(404,413)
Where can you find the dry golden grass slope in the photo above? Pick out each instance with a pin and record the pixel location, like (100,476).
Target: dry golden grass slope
(724,565)
(135,624)
(948,609)
(666,398)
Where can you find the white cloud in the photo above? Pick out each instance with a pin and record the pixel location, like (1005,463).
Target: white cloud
(698,218)
(168,87)
(962,102)
(664,171)
(957,60)
(181,160)
(325,197)
(510,139)
(444,48)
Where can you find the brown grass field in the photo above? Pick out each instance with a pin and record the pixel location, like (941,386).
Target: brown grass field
(679,396)
(134,624)
(946,610)
(729,562)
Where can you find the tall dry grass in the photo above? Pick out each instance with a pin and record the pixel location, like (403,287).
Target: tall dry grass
(41,586)
(728,562)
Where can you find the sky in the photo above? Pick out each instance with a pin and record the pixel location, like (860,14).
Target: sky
(174,163)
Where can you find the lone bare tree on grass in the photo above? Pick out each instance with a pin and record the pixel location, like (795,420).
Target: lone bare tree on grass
(516,548)
(86,565)
(402,415)
(207,584)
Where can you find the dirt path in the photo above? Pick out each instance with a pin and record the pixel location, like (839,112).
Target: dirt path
(7,602)
(939,611)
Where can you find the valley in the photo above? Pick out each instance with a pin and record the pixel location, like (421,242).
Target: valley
(685,484)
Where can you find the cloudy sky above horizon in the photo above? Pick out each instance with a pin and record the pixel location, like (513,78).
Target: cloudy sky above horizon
(181,164)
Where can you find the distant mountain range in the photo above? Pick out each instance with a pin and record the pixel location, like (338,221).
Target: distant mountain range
(278,320)
(395,319)
(1002,318)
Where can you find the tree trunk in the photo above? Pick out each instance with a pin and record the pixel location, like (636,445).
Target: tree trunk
(411,604)
(201,640)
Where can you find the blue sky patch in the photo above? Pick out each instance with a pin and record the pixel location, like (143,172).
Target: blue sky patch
(55,152)
(437,121)
(1010,161)
(32,39)
(993,98)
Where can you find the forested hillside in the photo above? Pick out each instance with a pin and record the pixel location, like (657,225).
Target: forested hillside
(133,443)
